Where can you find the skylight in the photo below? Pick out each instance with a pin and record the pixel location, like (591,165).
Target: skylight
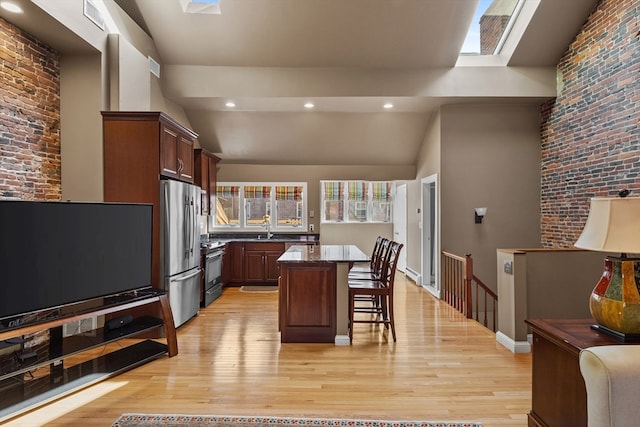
(490,23)
(201,6)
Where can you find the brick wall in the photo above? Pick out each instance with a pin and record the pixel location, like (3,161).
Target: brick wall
(491,29)
(29,117)
(591,131)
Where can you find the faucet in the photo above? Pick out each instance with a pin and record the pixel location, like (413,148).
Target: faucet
(267,224)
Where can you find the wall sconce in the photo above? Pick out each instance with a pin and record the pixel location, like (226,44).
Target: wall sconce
(479,214)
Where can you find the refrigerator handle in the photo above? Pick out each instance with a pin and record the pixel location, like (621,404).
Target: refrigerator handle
(192,218)
(186,240)
(183,278)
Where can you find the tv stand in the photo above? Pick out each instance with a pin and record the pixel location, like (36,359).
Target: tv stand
(41,379)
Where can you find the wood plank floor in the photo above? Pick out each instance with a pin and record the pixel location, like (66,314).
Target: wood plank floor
(442,368)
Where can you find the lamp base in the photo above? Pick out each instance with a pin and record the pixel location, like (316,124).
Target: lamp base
(619,335)
(615,301)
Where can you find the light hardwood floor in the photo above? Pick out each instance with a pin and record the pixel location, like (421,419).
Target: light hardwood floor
(231,362)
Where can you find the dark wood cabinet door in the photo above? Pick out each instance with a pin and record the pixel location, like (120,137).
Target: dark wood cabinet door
(213,182)
(185,158)
(307,302)
(169,152)
(237,262)
(272,269)
(254,266)
(201,177)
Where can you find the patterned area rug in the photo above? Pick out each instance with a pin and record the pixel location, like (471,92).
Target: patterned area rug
(258,288)
(167,420)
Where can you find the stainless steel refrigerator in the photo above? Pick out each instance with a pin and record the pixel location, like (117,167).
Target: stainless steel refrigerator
(180,247)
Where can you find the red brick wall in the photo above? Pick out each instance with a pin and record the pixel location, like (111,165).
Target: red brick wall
(591,131)
(491,29)
(29,117)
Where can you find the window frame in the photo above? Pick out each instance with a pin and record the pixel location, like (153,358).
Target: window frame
(346,202)
(271,204)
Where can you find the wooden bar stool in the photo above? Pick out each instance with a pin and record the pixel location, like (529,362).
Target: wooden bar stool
(381,289)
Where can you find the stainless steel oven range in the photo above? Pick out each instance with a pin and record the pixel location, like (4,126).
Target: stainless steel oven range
(212,254)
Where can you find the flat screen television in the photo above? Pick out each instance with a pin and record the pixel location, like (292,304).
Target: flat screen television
(54,254)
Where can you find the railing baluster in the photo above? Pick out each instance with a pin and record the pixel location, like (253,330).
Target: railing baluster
(462,290)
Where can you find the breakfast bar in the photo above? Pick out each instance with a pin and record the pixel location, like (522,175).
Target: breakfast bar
(313,287)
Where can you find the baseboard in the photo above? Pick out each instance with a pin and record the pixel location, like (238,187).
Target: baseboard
(514,346)
(413,275)
(342,340)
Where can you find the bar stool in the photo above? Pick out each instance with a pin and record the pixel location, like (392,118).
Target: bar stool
(374,270)
(374,256)
(381,289)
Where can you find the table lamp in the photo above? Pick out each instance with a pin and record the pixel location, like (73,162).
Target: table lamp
(613,225)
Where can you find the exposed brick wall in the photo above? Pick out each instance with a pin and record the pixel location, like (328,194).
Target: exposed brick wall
(29,117)
(591,131)
(491,29)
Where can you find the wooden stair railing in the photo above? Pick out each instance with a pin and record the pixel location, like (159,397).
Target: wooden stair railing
(464,291)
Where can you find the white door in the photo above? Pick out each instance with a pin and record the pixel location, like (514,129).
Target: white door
(430,242)
(400,224)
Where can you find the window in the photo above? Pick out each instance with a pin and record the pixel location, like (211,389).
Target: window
(256,205)
(228,205)
(289,205)
(490,26)
(332,201)
(381,202)
(363,201)
(357,195)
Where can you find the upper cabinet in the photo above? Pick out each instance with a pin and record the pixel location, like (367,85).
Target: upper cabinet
(139,148)
(176,151)
(205,169)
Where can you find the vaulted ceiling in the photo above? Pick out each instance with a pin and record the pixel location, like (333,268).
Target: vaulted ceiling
(347,57)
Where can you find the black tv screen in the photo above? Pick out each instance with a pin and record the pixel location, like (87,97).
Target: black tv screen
(58,253)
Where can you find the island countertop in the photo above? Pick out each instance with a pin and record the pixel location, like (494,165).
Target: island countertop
(323,253)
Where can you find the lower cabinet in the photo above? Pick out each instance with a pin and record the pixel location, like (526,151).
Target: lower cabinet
(307,302)
(233,263)
(260,261)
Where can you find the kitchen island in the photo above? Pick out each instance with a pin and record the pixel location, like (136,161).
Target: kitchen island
(313,293)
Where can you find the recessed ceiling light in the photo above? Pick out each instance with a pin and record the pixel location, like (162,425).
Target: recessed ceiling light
(230,104)
(11,7)
(388,105)
(309,105)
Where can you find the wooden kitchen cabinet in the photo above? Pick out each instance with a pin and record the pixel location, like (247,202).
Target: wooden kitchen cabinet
(260,259)
(176,151)
(233,263)
(205,169)
(137,150)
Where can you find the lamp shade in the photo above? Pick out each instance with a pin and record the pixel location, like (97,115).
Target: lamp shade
(613,225)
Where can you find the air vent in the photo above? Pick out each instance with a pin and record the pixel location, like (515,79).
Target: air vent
(154,67)
(92,12)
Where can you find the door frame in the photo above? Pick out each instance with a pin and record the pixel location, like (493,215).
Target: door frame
(400,230)
(430,236)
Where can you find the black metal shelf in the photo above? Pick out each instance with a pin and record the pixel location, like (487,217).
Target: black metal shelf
(17,396)
(81,342)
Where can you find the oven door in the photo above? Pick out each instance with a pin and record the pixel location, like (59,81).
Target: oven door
(213,276)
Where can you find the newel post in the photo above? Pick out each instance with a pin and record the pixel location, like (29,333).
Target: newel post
(468,277)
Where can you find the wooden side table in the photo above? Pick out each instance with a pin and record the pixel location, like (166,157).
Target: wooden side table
(558,394)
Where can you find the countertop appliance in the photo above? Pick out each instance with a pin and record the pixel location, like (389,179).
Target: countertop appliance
(212,253)
(180,247)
